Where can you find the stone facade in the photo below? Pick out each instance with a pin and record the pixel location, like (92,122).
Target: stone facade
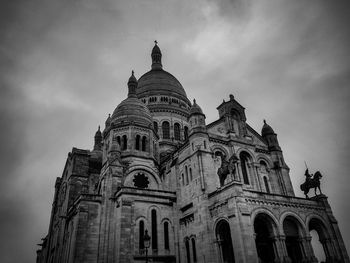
(213,193)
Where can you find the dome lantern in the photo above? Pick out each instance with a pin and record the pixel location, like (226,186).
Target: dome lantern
(132,84)
(98,140)
(156,57)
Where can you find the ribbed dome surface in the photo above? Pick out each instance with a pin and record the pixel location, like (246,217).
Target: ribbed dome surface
(132,110)
(266,129)
(159,82)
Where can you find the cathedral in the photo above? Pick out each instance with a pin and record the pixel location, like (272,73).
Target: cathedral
(162,185)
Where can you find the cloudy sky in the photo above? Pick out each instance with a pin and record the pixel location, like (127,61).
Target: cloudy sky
(65,63)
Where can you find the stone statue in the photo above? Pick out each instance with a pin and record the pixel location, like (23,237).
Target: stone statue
(227,167)
(311,181)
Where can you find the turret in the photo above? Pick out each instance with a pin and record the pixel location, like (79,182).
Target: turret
(197,119)
(198,131)
(279,165)
(234,115)
(98,140)
(270,137)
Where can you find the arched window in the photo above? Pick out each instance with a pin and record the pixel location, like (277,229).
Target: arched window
(177,131)
(194,252)
(166,130)
(137,142)
(205,145)
(187,244)
(191,178)
(155,126)
(154,229)
(144,140)
(125,142)
(118,140)
(186,132)
(183,179)
(186,172)
(263,167)
(244,165)
(166,235)
(141,233)
(267,188)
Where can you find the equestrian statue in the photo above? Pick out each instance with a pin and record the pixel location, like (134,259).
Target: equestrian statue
(311,181)
(227,167)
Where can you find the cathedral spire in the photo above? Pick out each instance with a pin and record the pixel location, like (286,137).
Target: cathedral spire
(132,84)
(156,57)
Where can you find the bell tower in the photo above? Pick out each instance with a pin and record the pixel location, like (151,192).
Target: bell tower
(234,115)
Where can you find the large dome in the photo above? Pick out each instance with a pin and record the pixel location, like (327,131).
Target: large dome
(159,82)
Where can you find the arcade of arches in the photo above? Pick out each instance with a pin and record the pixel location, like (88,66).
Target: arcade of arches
(287,242)
(291,242)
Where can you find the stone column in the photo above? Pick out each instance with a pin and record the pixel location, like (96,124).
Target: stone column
(239,171)
(218,245)
(309,250)
(251,174)
(301,244)
(256,166)
(277,251)
(281,240)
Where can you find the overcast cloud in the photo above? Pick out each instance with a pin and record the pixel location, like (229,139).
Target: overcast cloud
(65,63)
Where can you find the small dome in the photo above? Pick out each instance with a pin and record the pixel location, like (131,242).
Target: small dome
(266,129)
(132,109)
(195,109)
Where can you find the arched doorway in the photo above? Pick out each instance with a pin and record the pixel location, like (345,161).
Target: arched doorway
(224,240)
(293,239)
(264,231)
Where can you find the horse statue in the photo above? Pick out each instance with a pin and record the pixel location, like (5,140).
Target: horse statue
(227,167)
(311,182)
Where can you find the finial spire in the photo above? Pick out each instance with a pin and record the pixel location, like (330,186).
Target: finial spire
(156,57)
(264,121)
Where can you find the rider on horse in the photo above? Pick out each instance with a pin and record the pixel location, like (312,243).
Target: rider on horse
(308,176)
(311,181)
